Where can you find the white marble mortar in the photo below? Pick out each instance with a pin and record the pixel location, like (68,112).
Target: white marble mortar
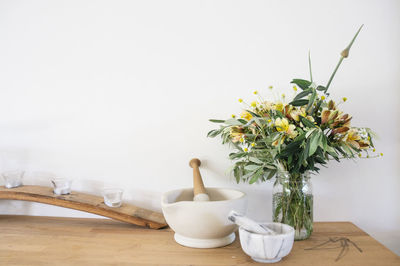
(268,248)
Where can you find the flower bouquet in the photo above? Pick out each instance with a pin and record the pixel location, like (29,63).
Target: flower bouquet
(290,140)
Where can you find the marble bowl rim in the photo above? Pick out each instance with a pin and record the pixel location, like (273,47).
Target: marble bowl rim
(288,233)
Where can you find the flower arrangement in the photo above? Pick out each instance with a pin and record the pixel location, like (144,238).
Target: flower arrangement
(273,137)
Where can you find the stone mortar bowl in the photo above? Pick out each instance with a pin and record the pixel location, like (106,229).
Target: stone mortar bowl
(268,248)
(203,224)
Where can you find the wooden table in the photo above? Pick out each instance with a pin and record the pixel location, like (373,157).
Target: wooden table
(26,240)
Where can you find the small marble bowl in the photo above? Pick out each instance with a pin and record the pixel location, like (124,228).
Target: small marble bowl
(268,248)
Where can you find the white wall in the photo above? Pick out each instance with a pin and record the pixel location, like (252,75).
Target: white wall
(119,93)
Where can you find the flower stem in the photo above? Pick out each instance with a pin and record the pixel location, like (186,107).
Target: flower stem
(333,74)
(309,65)
(344,54)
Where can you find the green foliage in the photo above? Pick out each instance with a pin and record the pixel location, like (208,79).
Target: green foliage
(296,137)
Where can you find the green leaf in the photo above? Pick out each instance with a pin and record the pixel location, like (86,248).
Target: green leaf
(290,159)
(310,132)
(233,156)
(306,122)
(279,113)
(242,121)
(216,121)
(321,88)
(311,100)
(302,94)
(324,142)
(314,141)
(306,150)
(252,167)
(333,153)
(248,175)
(255,160)
(233,122)
(302,83)
(290,149)
(213,133)
(300,102)
(271,174)
(256,176)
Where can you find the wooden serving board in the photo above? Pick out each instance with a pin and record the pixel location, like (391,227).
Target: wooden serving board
(88,203)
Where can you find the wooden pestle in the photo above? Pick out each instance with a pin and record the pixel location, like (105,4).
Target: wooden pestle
(199,191)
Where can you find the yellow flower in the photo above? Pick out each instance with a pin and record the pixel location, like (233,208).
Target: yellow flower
(352,138)
(322,97)
(294,88)
(253,144)
(233,116)
(254,104)
(381,154)
(344,99)
(298,112)
(282,125)
(236,134)
(240,100)
(278,106)
(246,115)
(283,95)
(271,87)
(374,150)
(359,155)
(246,150)
(241,139)
(255,92)
(269,120)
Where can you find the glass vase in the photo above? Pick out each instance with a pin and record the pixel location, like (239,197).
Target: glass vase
(292,203)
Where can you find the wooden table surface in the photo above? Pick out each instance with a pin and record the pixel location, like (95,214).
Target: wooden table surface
(26,240)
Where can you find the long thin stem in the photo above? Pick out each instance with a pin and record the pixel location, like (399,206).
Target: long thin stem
(333,74)
(309,65)
(344,54)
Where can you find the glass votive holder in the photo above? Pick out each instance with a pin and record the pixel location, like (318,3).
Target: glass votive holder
(113,197)
(13,178)
(61,186)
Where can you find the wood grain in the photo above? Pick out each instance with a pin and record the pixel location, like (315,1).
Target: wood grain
(28,240)
(88,203)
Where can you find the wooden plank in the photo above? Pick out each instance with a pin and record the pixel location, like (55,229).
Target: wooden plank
(88,203)
(28,240)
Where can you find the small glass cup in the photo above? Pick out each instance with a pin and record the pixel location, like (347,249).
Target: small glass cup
(113,197)
(61,186)
(13,178)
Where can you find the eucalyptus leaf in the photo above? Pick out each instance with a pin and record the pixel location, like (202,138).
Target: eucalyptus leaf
(255,160)
(302,94)
(314,142)
(213,133)
(271,174)
(311,100)
(306,122)
(310,132)
(300,102)
(256,176)
(216,121)
(302,83)
(252,167)
(233,122)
